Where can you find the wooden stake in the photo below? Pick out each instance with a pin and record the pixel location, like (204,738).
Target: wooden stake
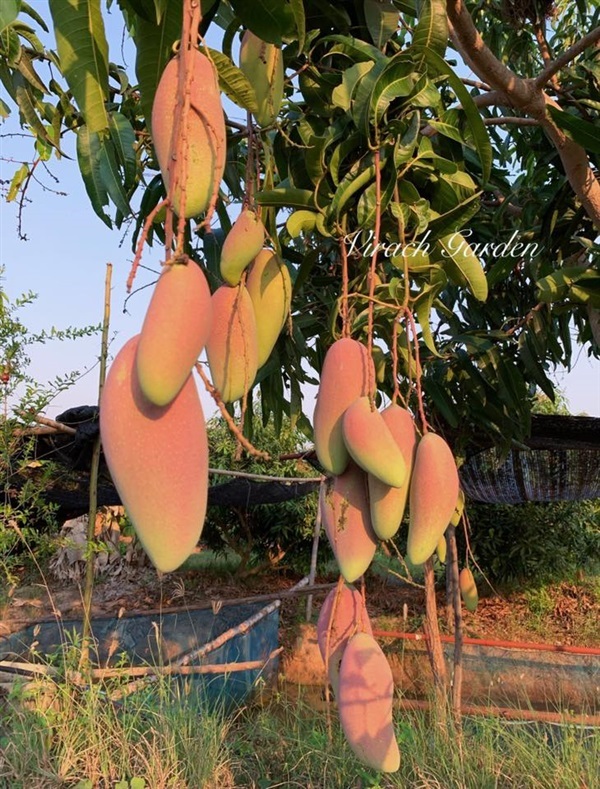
(93,499)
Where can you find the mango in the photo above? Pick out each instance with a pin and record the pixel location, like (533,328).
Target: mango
(158,459)
(262,64)
(345,515)
(458,509)
(468,589)
(242,244)
(232,346)
(371,444)
(270,288)
(432,498)
(348,373)
(388,503)
(442,549)
(174,332)
(365,700)
(205,135)
(342,614)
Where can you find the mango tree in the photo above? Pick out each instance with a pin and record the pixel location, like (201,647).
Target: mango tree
(423,180)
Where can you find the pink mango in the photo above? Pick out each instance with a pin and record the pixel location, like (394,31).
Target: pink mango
(158,459)
(433,496)
(387,502)
(342,614)
(175,331)
(348,372)
(365,701)
(345,515)
(371,444)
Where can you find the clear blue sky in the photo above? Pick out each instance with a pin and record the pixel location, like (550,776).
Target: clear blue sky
(64,262)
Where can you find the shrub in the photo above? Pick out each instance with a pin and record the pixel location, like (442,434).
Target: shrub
(535,542)
(267,534)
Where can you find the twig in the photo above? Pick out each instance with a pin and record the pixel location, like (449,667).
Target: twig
(510,119)
(57,426)
(266,477)
(572,52)
(214,393)
(170,670)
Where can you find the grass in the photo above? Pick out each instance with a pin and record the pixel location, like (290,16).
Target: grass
(56,735)
(162,738)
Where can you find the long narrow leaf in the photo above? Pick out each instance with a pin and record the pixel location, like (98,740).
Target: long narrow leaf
(88,147)
(83,52)
(476,124)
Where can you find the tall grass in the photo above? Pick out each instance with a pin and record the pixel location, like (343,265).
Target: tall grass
(57,735)
(163,738)
(287,745)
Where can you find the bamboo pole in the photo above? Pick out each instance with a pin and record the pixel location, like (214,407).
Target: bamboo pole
(93,499)
(457,675)
(313,563)
(432,631)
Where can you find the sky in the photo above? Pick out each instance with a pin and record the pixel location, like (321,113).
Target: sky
(64,262)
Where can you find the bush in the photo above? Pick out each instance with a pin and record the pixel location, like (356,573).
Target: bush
(535,542)
(267,534)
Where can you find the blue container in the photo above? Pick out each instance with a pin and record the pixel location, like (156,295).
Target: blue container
(160,638)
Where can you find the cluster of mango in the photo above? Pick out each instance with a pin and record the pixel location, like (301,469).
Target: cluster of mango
(378,463)
(151,420)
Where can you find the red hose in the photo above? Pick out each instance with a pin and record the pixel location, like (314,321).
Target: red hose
(488,642)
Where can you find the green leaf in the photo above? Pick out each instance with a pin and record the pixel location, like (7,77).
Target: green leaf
(382,20)
(233,82)
(160,6)
(83,52)
(534,366)
(358,178)
(480,135)
(111,176)
(455,217)
(297,7)
(153,49)
(27,107)
(27,9)
(423,306)
(577,283)
(122,135)
(286,197)
(431,32)
(4,109)
(88,150)
(442,401)
(343,93)
(10,46)
(396,80)
(9,11)
(16,182)
(301,222)
(447,130)
(355,49)
(367,204)
(582,132)
(271,20)
(463,265)
(26,68)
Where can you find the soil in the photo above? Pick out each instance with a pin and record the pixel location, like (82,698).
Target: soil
(564,613)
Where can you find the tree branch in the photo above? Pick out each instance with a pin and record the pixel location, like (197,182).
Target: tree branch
(511,119)
(528,96)
(571,53)
(479,56)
